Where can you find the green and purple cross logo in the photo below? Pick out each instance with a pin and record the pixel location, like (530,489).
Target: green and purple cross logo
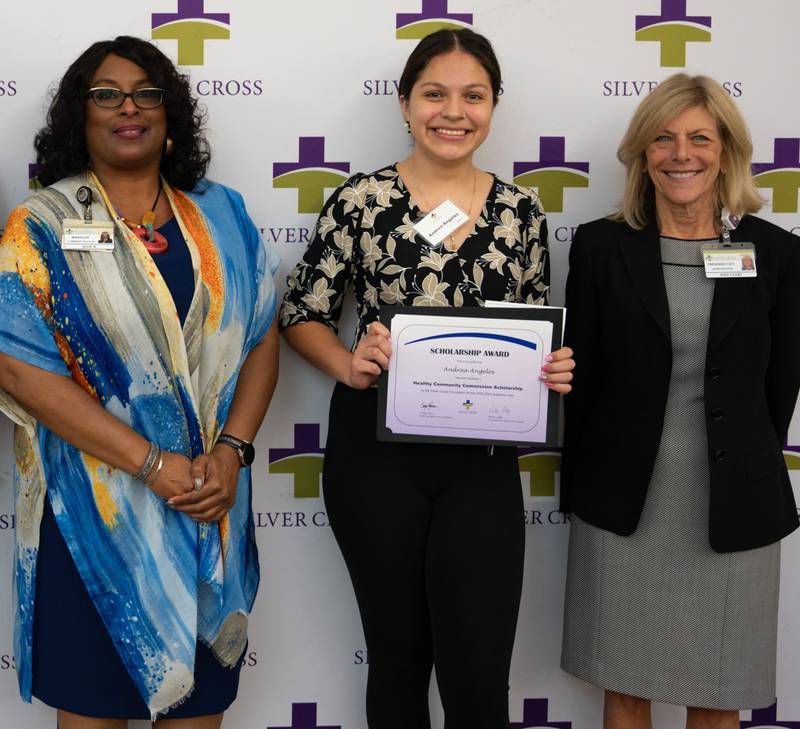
(534,716)
(782,175)
(191,26)
(541,467)
(551,174)
(311,174)
(33,176)
(303,461)
(433,16)
(304,716)
(791,457)
(768,719)
(673,29)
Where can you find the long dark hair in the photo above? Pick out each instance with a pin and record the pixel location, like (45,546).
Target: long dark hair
(61,144)
(445,41)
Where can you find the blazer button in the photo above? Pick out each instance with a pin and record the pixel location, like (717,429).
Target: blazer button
(719,456)
(717,413)
(713,373)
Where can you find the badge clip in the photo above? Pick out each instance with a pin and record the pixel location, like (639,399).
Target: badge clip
(84,197)
(729,222)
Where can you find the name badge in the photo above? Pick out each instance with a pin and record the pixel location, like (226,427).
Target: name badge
(441,222)
(731,260)
(80,236)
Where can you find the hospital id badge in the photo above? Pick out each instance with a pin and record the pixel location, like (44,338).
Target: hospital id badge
(441,222)
(78,235)
(729,260)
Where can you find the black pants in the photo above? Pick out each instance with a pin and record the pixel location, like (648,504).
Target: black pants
(433,538)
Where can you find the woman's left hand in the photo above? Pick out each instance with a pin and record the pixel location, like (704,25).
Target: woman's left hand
(216,474)
(557,370)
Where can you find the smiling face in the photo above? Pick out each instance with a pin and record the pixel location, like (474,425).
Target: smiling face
(450,107)
(684,161)
(126,137)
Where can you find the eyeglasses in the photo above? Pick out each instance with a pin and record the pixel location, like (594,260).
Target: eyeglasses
(110,98)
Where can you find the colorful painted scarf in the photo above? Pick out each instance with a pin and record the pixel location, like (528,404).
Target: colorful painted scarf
(158,579)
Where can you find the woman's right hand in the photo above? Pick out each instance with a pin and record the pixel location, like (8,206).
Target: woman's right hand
(371,357)
(174,478)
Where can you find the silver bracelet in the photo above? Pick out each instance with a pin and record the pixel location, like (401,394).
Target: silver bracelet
(149,462)
(153,475)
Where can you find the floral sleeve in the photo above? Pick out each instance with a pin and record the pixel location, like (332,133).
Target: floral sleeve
(535,285)
(319,281)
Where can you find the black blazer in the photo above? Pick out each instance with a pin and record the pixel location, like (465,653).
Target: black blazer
(618,324)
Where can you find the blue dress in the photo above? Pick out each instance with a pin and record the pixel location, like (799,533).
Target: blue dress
(75,664)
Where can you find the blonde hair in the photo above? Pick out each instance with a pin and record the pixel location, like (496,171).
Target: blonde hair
(736,189)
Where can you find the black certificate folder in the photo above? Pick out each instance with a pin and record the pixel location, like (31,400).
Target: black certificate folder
(460,375)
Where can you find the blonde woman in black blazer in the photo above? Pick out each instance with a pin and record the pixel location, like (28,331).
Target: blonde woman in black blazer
(673,467)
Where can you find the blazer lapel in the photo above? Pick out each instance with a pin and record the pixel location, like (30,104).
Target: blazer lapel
(730,295)
(642,255)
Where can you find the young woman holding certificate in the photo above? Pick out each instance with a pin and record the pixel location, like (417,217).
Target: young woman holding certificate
(432,534)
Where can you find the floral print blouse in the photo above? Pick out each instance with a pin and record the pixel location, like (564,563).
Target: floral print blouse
(365,237)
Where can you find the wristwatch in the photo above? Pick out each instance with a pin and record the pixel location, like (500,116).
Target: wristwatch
(245,450)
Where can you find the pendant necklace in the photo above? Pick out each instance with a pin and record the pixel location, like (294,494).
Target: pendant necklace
(145,231)
(450,240)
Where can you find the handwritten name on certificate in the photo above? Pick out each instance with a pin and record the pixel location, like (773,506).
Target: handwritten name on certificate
(475,378)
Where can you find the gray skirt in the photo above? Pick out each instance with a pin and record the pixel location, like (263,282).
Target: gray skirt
(671,624)
(659,614)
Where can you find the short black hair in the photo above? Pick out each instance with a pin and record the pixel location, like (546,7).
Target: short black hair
(445,41)
(61,144)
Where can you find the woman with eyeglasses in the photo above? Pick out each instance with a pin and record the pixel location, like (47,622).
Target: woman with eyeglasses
(138,356)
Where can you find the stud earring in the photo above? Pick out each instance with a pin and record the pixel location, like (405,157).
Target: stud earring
(408,126)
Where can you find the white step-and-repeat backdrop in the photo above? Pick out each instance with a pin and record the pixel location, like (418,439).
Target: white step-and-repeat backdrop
(299,94)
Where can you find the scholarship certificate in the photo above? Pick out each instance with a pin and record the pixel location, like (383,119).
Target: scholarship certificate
(470,374)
